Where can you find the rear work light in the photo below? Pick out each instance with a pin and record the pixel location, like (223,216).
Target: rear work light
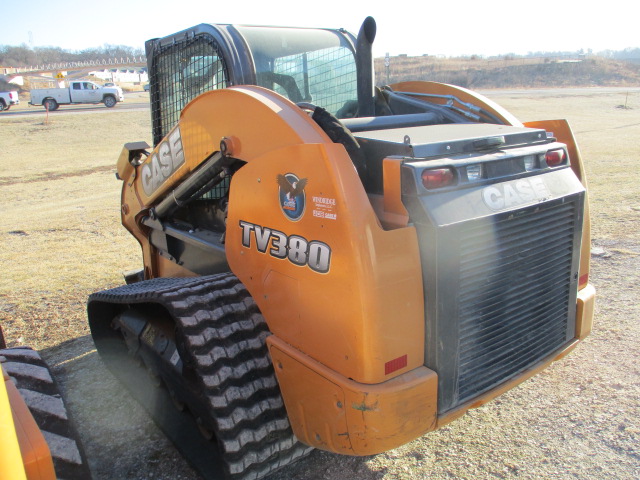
(530,163)
(555,157)
(437,178)
(474,173)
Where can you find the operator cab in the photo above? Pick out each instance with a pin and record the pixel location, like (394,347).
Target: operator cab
(307,65)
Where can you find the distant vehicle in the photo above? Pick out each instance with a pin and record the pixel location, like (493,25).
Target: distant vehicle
(7,99)
(146,87)
(78,92)
(109,84)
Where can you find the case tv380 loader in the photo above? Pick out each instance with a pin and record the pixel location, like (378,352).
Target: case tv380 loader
(334,265)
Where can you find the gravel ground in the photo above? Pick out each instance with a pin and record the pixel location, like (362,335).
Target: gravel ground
(579,419)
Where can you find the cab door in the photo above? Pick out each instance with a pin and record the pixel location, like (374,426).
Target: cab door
(91,92)
(77,94)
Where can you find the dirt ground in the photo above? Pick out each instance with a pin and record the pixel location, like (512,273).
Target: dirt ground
(579,419)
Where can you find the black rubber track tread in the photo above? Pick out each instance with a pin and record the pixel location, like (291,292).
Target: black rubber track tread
(224,334)
(41,394)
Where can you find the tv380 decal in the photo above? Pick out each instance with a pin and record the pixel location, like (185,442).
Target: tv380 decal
(298,250)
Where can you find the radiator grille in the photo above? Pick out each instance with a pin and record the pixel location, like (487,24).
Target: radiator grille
(514,291)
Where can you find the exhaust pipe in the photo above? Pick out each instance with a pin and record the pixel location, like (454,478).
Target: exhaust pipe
(364,64)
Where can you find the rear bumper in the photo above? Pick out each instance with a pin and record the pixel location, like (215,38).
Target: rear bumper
(584,311)
(333,413)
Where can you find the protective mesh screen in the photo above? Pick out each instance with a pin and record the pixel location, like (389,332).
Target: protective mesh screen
(183,70)
(325,77)
(220,190)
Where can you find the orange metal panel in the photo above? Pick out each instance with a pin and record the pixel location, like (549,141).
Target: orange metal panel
(461,93)
(334,413)
(584,311)
(275,123)
(367,308)
(395,214)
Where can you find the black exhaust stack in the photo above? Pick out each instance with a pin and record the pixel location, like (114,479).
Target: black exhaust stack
(364,60)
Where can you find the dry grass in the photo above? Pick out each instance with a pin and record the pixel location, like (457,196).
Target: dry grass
(607,136)
(507,72)
(60,225)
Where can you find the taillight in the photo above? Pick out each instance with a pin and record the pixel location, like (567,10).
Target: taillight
(584,279)
(437,178)
(555,157)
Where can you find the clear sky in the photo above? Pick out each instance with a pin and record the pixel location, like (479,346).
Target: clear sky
(448,27)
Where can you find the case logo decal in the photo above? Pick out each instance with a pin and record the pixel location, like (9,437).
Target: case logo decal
(512,194)
(298,250)
(291,195)
(164,163)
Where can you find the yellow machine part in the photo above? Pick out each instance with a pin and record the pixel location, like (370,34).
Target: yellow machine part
(312,311)
(371,298)
(24,453)
(469,96)
(337,414)
(348,342)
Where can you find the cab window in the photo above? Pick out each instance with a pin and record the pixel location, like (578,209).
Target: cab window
(304,65)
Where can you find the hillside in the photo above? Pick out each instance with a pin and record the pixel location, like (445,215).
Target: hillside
(504,72)
(509,72)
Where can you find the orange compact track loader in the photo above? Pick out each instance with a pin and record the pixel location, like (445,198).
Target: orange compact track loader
(331,264)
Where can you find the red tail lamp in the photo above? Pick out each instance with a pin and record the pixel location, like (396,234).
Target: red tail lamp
(437,178)
(555,157)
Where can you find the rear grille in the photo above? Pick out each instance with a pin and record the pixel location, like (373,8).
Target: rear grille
(513,277)
(514,289)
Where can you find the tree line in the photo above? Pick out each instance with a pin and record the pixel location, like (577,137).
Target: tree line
(23,56)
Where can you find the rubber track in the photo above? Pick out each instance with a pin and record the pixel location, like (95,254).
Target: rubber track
(224,334)
(40,392)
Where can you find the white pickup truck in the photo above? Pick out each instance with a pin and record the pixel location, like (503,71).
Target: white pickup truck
(79,91)
(7,99)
